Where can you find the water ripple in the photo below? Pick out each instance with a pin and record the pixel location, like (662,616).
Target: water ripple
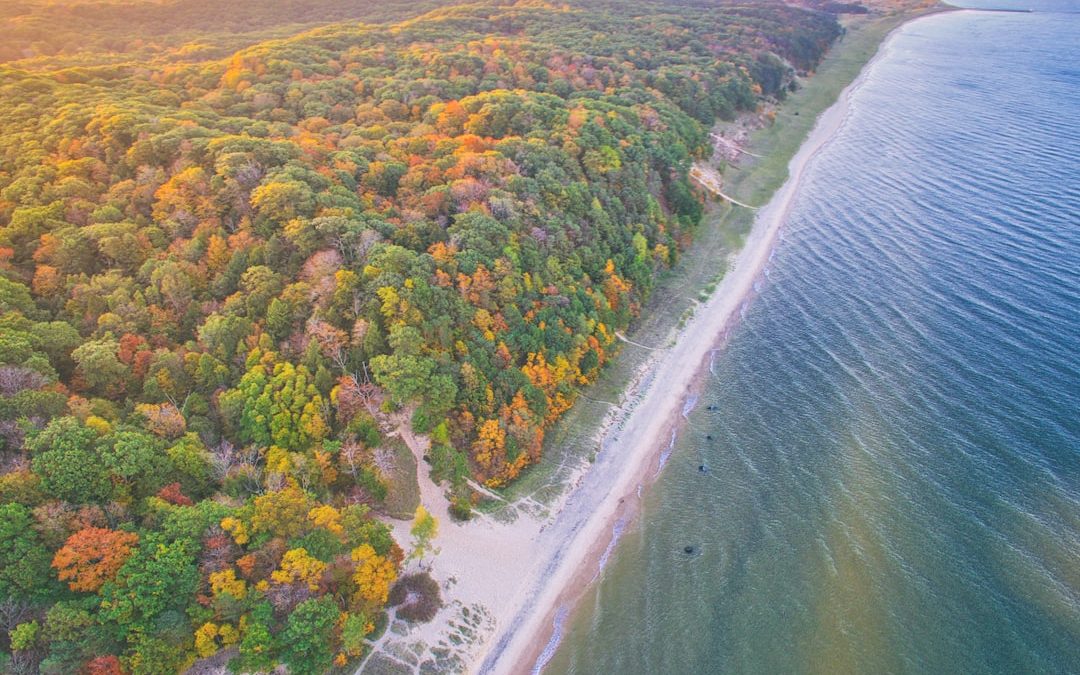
(891,436)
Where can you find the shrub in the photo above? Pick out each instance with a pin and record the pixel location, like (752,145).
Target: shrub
(461,508)
(417,598)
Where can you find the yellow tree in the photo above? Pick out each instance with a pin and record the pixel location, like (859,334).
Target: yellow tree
(328,518)
(225,582)
(283,513)
(374,575)
(424,530)
(298,566)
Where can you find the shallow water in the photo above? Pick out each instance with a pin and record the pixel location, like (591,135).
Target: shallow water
(893,480)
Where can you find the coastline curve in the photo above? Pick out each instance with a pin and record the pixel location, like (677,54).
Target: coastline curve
(602,500)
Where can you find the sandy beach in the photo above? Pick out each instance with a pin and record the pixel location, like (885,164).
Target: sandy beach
(510,585)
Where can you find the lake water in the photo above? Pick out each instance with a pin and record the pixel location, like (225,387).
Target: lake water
(892,481)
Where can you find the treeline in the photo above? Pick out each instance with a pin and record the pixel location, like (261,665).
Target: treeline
(176,29)
(213,277)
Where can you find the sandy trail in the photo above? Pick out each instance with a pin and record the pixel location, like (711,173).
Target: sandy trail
(709,178)
(527,574)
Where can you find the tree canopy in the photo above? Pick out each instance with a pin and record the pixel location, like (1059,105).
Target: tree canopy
(224,258)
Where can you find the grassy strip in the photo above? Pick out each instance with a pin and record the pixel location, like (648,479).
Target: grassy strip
(403,493)
(755,180)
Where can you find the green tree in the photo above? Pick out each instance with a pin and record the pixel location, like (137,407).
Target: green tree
(258,286)
(14,297)
(404,377)
(24,561)
(192,466)
(306,640)
(74,635)
(136,460)
(160,576)
(257,645)
(405,373)
(276,407)
(57,339)
(221,335)
(63,456)
(354,630)
(29,223)
(25,636)
(360,528)
(99,366)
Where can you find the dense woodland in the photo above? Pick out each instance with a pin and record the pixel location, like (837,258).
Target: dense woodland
(216,276)
(47,32)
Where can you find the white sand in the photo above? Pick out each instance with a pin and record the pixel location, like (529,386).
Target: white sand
(527,573)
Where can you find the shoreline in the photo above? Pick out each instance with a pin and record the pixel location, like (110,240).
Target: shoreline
(512,578)
(530,640)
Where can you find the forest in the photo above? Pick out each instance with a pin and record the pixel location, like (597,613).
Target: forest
(49,32)
(220,274)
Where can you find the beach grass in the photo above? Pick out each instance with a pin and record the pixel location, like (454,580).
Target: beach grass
(403,495)
(571,442)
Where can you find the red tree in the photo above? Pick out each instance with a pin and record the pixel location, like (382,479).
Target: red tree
(104,665)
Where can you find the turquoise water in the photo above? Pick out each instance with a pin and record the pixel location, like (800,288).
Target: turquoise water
(891,437)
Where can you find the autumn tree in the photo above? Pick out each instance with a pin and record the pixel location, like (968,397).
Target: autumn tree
(104,665)
(276,403)
(92,556)
(283,513)
(374,575)
(297,566)
(424,530)
(213,275)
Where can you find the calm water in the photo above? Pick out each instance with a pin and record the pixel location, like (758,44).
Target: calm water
(893,479)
